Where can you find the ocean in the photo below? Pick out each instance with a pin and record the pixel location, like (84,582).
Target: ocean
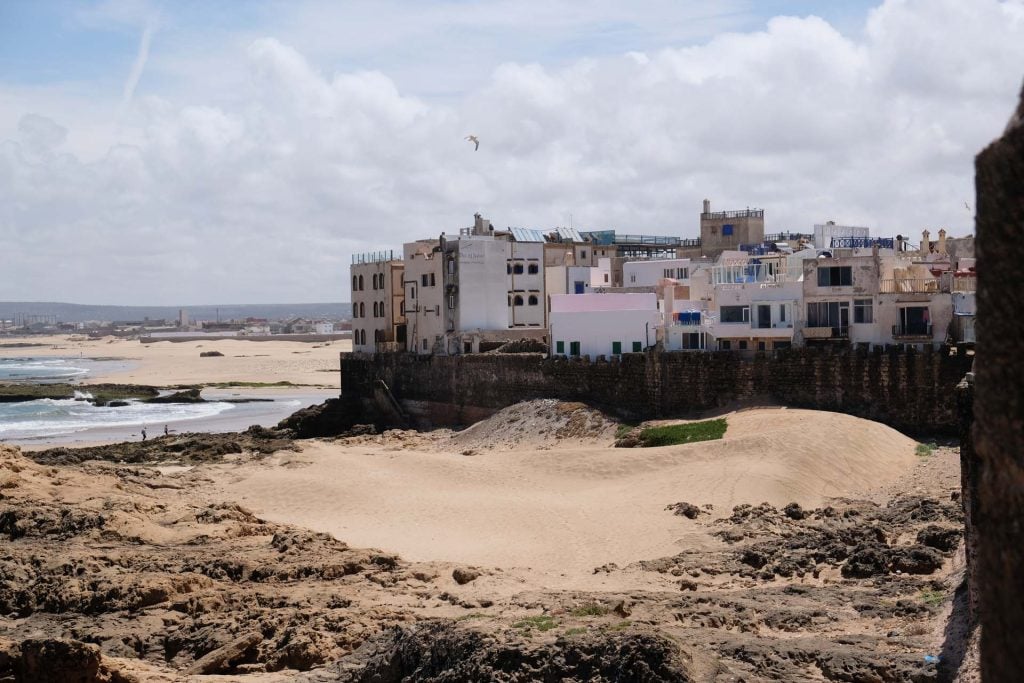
(71,421)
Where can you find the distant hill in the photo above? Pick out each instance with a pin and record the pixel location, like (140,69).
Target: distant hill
(76,313)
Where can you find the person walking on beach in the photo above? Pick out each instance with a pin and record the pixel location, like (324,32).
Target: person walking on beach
(143,433)
(166,431)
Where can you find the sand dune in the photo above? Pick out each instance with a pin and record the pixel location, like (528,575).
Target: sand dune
(568,510)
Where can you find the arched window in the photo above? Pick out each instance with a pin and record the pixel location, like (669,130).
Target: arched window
(362,309)
(533,269)
(518,300)
(532,300)
(375,303)
(360,283)
(355,283)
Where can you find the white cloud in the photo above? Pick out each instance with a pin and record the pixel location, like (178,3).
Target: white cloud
(262,192)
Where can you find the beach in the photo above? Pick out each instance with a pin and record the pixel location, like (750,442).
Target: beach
(829,541)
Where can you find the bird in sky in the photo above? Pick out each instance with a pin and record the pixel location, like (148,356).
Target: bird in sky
(967,206)
(475,140)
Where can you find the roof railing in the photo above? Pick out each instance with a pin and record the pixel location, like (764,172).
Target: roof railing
(745,213)
(375,257)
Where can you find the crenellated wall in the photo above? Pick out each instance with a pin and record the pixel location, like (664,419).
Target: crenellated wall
(911,391)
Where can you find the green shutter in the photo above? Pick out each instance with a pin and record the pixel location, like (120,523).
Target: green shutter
(560,347)
(616,348)
(574,348)
(637,347)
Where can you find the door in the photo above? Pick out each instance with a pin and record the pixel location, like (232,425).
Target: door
(764,315)
(578,287)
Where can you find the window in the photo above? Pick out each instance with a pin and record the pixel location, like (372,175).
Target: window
(761,346)
(362,310)
(517,300)
(616,348)
(583,254)
(727,229)
(559,347)
(743,344)
(433,281)
(835,276)
(606,277)
(375,303)
(451,266)
(734,314)
(401,307)
(532,300)
(517,268)
(682,273)
(412,292)
(637,347)
(424,343)
(782,345)
(828,314)
(914,320)
(355,283)
(360,283)
(509,297)
(424,279)
(574,348)
(632,277)
(668,272)
(533,269)
(725,345)
(508,268)
(862,311)
(437,309)
(782,313)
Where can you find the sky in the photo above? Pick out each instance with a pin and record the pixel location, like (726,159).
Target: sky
(219,151)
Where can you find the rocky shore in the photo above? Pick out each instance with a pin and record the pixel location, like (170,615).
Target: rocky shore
(122,563)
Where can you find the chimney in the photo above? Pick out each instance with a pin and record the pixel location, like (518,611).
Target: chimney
(707,206)
(942,241)
(926,246)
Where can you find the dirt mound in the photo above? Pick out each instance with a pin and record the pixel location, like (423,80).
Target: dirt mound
(543,423)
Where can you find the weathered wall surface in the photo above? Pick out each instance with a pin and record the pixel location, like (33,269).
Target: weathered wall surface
(997,473)
(911,391)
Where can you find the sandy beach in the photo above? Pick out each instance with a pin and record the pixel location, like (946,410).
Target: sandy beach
(168,363)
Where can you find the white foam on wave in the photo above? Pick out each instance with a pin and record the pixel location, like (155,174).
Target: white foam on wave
(48,417)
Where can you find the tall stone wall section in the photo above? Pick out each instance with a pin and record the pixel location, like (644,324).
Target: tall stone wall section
(913,392)
(994,485)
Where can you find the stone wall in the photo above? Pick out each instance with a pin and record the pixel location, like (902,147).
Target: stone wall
(995,476)
(911,391)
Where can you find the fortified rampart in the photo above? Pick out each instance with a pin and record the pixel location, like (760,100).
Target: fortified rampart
(911,391)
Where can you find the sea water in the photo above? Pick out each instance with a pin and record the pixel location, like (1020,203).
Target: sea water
(76,419)
(46,417)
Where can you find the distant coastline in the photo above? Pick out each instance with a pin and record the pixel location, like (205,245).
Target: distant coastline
(67,312)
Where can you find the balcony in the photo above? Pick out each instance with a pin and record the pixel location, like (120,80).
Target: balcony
(826,333)
(965,283)
(912,331)
(908,286)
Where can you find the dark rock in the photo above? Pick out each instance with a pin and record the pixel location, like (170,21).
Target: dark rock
(794,511)
(464,575)
(439,651)
(916,559)
(866,561)
(329,418)
(687,510)
(239,651)
(184,396)
(210,354)
(61,661)
(941,538)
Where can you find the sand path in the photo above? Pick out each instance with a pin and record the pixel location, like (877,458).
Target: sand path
(567,510)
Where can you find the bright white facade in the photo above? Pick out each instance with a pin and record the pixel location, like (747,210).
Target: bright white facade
(603,324)
(648,273)
(823,233)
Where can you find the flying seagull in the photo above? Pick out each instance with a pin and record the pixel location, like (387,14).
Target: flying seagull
(475,140)
(967,206)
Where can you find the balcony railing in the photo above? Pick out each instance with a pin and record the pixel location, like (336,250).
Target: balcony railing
(376,257)
(746,213)
(965,283)
(827,332)
(862,242)
(912,331)
(908,285)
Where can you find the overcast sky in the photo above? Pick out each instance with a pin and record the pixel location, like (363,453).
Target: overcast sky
(195,152)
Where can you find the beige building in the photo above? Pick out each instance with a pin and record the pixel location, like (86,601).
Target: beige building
(378,312)
(723,230)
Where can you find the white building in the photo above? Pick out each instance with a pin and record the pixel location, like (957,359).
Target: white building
(603,324)
(824,232)
(648,273)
